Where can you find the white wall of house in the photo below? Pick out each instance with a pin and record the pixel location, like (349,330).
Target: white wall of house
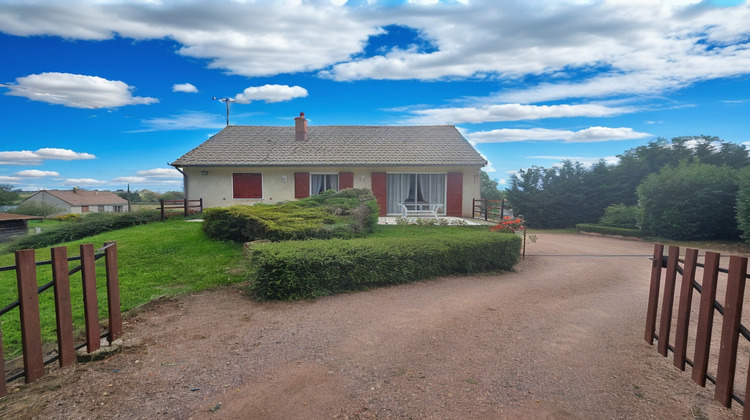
(45,197)
(215,186)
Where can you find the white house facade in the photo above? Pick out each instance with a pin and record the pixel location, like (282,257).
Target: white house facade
(418,165)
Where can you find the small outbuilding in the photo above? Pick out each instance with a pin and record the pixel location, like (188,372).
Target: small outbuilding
(77,201)
(14,225)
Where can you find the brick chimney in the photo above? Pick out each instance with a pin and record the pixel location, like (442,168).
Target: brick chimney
(300,127)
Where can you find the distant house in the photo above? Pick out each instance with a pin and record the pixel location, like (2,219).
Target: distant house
(418,165)
(14,225)
(78,201)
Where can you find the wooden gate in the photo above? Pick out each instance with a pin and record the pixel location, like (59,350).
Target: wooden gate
(28,304)
(731,311)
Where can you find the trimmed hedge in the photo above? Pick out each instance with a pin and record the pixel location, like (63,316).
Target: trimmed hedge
(88,225)
(608,230)
(333,214)
(308,269)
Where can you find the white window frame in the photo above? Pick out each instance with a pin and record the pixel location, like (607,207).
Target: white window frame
(325,179)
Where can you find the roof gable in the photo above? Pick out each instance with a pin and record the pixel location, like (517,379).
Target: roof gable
(78,197)
(335,146)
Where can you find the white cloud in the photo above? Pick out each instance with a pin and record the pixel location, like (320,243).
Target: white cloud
(270,94)
(62,154)
(184,87)
(588,135)
(188,121)
(82,182)
(588,48)
(131,179)
(4,178)
(27,157)
(76,91)
(160,173)
(35,173)
(509,112)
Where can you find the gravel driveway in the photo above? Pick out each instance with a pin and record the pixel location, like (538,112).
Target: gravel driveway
(560,338)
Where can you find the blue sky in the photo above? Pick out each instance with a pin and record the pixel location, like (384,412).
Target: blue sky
(102,94)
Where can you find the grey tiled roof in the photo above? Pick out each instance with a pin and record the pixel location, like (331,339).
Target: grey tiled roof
(335,145)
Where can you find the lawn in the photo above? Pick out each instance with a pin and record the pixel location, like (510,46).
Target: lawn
(157,259)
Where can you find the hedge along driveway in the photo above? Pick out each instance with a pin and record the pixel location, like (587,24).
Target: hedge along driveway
(307,269)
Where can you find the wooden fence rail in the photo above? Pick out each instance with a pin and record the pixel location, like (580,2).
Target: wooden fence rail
(186,207)
(28,304)
(488,209)
(731,311)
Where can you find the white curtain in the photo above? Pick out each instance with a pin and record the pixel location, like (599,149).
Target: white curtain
(333,182)
(316,184)
(415,188)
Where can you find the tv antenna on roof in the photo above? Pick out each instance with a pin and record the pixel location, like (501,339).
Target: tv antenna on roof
(226,101)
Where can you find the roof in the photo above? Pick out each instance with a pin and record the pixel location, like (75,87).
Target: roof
(7,216)
(335,146)
(78,197)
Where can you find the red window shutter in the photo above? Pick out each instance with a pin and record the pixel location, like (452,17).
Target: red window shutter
(301,184)
(380,190)
(346,180)
(247,185)
(454,196)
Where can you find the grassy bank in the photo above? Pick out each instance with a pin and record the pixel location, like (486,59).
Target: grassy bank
(158,259)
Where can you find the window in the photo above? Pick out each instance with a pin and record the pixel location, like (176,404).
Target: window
(415,189)
(323,182)
(247,185)
(100,209)
(117,209)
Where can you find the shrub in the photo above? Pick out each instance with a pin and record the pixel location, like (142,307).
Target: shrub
(690,202)
(88,225)
(743,204)
(608,230)
(36,208)
(307,269)
(332,214)
(621,216)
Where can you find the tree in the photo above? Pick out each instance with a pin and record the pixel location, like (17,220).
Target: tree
(173,195)
(148,196)
(37,208)
(692,201)
(8,195)
(489,188)
(131,196)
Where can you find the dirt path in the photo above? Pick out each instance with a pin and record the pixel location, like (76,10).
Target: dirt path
(561,338)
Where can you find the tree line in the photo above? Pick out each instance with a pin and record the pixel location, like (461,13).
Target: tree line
(683,188)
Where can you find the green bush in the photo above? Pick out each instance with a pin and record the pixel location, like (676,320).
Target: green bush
(690,202)
(608,230)
(88,225)
(333,214)
(307,269)
(621,216)
(743,204)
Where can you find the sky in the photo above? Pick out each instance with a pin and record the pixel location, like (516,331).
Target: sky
(102,95)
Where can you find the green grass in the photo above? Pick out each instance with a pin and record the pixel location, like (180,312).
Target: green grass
(157,259)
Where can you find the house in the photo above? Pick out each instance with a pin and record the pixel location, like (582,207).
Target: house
(14,224)
(77,201)
(429,165)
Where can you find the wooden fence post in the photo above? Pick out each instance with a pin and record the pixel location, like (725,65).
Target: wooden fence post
(90,300)
(705,317)
(730,329)
(113,292)
(667,303)
(31,330)
(653,294)
(683,310)
(63,310)
(3,387)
